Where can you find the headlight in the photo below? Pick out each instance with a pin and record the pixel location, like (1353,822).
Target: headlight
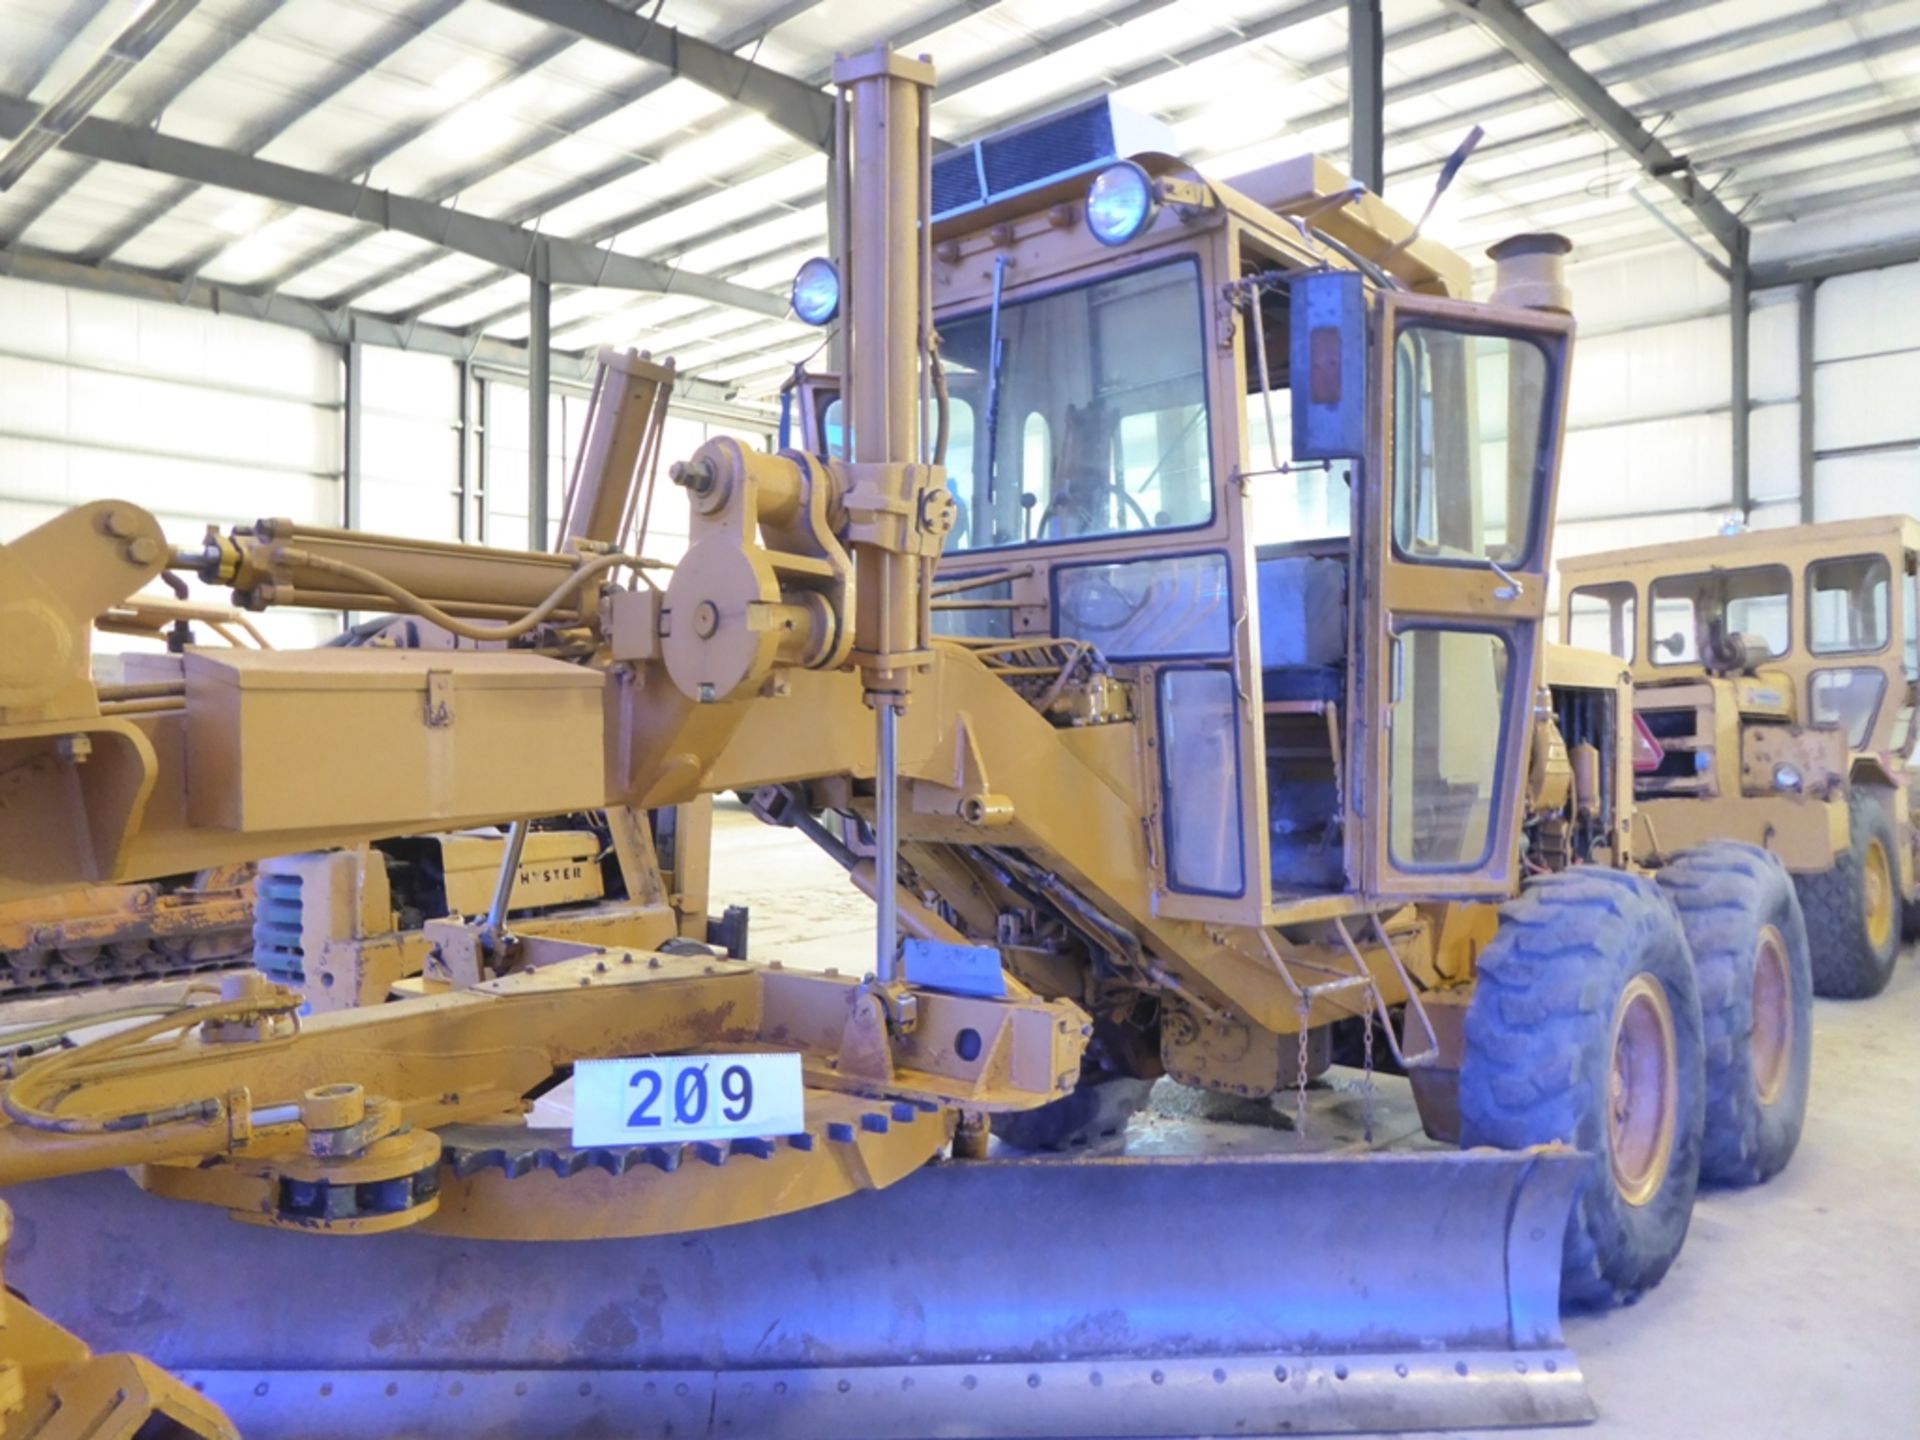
(1787,777)
(816,291)
(1120,203)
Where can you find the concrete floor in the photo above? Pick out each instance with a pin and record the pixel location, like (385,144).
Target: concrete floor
(1794,1309)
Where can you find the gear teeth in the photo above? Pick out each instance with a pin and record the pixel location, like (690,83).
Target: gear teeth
(569,1163)
(469,1149)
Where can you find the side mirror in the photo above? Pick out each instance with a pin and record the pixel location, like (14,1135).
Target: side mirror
(1327,355)
(1673,644)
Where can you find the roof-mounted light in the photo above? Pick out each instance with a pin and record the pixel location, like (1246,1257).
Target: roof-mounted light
(816,291)
(1120,203)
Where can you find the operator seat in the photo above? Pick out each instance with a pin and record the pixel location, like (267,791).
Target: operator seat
(1303,627)
(1303,676)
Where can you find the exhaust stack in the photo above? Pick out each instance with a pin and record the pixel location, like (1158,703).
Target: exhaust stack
(1530,273)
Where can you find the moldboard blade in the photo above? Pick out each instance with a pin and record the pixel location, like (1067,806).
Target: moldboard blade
(1116,1296)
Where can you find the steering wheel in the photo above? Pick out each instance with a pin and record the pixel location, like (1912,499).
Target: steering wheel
(1090,501)
(1095,603)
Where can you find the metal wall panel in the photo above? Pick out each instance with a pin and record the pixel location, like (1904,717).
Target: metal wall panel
(1883,482)
(201,418)
(410,445)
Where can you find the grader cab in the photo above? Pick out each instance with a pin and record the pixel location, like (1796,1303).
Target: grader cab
(1279,512)
(1134,791)
(1775,676)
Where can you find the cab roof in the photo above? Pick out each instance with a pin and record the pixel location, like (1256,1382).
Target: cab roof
(1810,541)
(1051,161)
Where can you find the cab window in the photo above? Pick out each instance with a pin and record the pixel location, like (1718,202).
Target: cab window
(1469,415)
(1903,736)
(1849,698)
(1089,414)
(1910,618)
(1601,617)
(1691,612)
(1285,505)
(1847,603)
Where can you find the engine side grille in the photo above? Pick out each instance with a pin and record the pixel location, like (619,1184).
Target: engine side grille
(277,914)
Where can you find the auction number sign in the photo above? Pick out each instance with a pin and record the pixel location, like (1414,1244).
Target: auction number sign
(676,1098)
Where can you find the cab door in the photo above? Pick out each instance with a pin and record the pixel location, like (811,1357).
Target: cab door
(1453,558)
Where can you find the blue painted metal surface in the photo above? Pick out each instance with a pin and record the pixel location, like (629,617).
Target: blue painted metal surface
(957,969)
(1328,357)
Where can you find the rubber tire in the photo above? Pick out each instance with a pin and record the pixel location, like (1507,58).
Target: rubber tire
(1726,893)
(1536,1063)
(1097,1108)
(1845,964)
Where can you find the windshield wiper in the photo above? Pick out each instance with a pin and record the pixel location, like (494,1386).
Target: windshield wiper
(996,353)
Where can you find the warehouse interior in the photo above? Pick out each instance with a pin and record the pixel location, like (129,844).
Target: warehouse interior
(353,264)
(258,271)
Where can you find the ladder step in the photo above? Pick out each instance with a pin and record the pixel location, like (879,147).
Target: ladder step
(1335,987)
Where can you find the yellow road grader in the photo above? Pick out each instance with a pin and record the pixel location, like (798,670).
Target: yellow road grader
(1775,672)
(1132,794)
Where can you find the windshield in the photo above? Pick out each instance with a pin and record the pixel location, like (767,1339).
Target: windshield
(1098,417)
(1695,614)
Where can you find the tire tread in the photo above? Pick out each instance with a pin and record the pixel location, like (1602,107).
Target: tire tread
(1535,1058)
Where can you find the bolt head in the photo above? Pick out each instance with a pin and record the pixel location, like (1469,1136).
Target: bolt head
(695,475)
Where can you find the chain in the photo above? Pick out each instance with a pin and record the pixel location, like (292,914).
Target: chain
(1366,1051)
(1300,1087)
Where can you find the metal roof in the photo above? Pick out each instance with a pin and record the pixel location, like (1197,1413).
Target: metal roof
(413,159)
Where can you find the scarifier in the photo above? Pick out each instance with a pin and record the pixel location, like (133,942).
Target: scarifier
(1131,796)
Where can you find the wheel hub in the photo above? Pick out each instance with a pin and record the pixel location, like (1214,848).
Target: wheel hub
(1877,883)
(1771,1043)
(1642,1090)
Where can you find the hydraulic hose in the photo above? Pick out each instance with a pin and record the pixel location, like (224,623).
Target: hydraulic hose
(28,1099)
(419,605)
(942,408)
